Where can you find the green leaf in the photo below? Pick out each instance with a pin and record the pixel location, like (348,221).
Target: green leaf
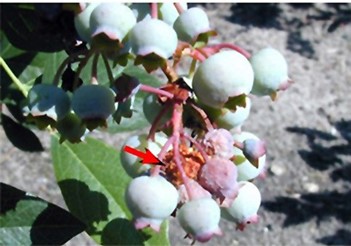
(93,182)
(138,120)
(27,29)
(7,49)
(237,101)
(144,77)
(29,220)
(20,136)
(239,159)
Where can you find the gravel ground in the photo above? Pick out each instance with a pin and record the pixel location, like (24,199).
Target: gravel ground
(306,194)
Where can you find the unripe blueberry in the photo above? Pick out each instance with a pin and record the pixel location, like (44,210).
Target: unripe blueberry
(153,36)
(197,192)
(168,13)
(71,128)
(246,170)
(152,107)
(191,23)
(271,72)
(113,19)
(219,176)
(82,22)
(93,102)
(131,163)
(244,208)
(200,218)
(219,142)
(230,119)
(49,100)
(223,75)
(150,200)
(253,149)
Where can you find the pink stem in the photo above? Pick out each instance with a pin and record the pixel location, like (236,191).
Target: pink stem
(231,46)
(156,121)
(156,170)
(179,8)
(154,10)
(204,116)
(156,91)
(177,122)
(239,145)
(94,68)
(197,145)
(197,55)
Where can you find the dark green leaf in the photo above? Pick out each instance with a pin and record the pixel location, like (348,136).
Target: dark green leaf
(27,29)
(138,120)
(237,101)
(29,220)
(20,136)
(93,182)
(8,50)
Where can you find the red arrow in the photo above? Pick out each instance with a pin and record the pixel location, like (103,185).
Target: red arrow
(146,158)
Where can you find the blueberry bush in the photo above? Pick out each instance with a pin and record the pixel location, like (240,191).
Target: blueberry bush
(72,69)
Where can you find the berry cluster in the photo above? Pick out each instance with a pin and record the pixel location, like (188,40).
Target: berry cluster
(209,163)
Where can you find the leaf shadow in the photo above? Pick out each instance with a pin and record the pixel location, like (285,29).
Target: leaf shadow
(122,232)
(320,206)
(341,237)
(262,15)
(324,148)
(54,226)
(337,15)
(325,153)
(89,206)
(10,196)
(270,15)
(51,226)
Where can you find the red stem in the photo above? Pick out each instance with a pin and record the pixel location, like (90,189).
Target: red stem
(179,8)
(157,120)
(154,10)
(197,55)
(156,91)
(156,170)
(231,46)
(239,145)
(204,116)
(177,124)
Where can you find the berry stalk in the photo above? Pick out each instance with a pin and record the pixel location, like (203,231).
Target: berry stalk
(154,10)
(177,125)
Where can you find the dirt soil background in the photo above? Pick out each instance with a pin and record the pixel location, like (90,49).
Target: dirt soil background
(307,191)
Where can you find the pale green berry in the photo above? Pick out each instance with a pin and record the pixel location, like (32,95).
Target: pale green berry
(49,100)
(71,128)
(153,36)
(131,163)
(246,170)
(82,22)
(230,119)
(150,200)
(93,102)
(113,19)
(244,208)
(200,218)
(168,12)
(191,23)
(270,70)
(222,76)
